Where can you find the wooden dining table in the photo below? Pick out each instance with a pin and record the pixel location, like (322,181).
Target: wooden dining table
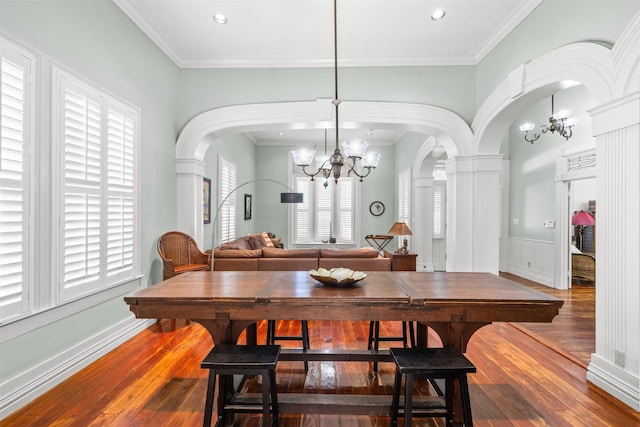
(454,305)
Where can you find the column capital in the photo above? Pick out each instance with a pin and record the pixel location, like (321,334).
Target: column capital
(618,114)
(190,166)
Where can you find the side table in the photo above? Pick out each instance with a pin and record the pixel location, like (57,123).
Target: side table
(402,262)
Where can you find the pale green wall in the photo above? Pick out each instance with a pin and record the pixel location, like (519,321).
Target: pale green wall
(240,151)
(553,24)
(448,87)
(532,195)
(97,41)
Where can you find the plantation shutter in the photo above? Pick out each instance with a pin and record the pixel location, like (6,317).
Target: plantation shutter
(345,209)
(227,180)
(15,107)
(82,210)
(120,183)
(438,210)
(97,143)
(303,211)
(324,201)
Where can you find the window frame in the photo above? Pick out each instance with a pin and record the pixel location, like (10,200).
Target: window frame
(310,209)
(44,191)
(404,199)
(24,57)
(226,212)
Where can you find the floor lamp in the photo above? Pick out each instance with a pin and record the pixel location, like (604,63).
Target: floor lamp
(582,219)
(286,197)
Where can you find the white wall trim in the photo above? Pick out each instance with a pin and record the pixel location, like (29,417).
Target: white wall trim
(614,380)
(531,259)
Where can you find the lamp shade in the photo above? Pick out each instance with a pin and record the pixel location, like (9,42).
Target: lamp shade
(400,229)
(291,197)
(583,218)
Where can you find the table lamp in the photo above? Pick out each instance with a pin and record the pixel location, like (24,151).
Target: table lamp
(401,229)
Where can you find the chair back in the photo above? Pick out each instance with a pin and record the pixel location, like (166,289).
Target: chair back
(178,247)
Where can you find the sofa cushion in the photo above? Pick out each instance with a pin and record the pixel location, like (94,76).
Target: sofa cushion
(287,264)
(237,253)
(236,264)
(349,253)
(357,264)
(293,253)
(239,243)
(267,240)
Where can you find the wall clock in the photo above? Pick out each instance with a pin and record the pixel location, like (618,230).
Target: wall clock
(376,208)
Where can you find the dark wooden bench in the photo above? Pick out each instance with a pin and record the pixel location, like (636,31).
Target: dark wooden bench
(432,363)
(231,359)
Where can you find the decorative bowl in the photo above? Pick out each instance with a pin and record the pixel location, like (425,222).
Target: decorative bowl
(339,276)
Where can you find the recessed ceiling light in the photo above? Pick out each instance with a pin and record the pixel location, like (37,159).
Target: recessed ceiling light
(437,14)
(219,18)
(281,133)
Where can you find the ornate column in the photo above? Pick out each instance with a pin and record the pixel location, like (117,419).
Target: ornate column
(422,225)
(189,201)
(487,213)
(615,366)
(459,234)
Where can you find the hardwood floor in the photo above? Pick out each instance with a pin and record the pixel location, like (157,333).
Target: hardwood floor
(155,379)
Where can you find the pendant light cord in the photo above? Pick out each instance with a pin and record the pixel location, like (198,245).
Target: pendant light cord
(336,101)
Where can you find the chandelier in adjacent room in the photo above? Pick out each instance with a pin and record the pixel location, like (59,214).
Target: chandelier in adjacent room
(355,151)
(558,122)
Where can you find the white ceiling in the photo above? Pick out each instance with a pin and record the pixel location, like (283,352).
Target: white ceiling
(299,33)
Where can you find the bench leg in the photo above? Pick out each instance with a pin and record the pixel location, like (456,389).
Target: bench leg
(274,397)
(408,399)
(396,399)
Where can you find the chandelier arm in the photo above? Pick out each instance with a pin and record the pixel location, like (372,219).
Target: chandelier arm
(569,132)
(312,175)
(533,139)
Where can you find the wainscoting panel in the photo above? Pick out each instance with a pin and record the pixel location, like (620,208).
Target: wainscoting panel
(531,259)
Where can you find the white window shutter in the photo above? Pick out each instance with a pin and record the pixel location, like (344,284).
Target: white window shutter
(120,201)
(227,215)
(345,209)
(438,211)
(15,115)
(323,211)
(303,211)
(82,192)
(97,137)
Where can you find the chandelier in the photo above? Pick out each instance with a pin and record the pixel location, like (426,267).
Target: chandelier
(354,150)
(559,122)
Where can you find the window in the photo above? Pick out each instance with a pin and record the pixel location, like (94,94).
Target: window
(438,211)
(227,187)
(17,71)
(325,212)
(68,187)
(439,200)
(97,136)
(404,198)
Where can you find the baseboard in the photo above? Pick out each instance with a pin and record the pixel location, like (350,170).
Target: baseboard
(28,385)
(538,277)
(614,380)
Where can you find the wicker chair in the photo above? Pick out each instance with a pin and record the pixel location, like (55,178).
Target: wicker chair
(180,253)
(583,267)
